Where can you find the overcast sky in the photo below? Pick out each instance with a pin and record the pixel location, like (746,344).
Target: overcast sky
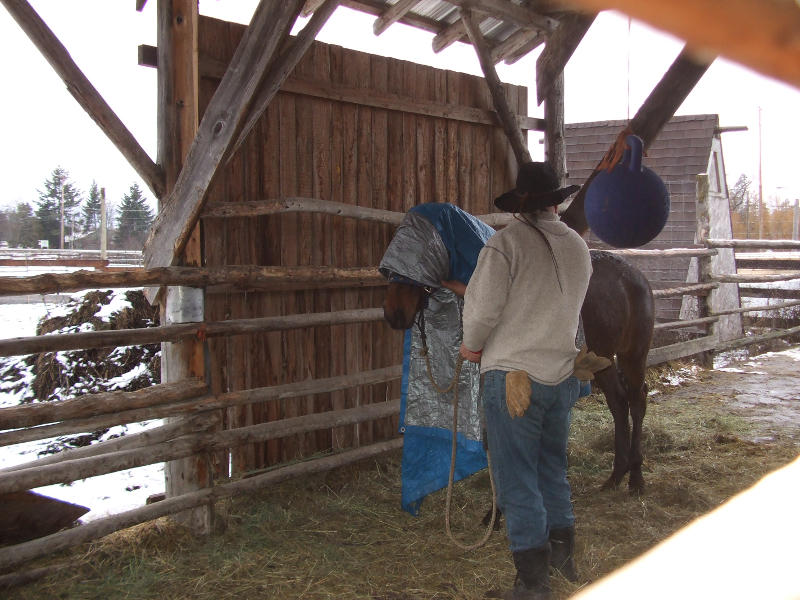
(609,76)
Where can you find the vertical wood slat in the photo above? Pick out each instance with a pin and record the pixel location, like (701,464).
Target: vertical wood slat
(365,195)
(350,255)
(340,435)
(321,188)
(379,70)
(307,252)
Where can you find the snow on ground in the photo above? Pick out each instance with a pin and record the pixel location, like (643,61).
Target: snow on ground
(106,494)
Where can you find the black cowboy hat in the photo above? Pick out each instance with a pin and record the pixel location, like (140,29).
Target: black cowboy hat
(537,188)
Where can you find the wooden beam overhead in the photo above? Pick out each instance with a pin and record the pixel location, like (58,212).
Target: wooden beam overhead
(763,35)
(310,6)
(515,42)
(448,36)
(655,112)
(85,93)
(282,66)
(215,69)
(268,30)
(140,5)
(508,11)
(525,49)
(558,50)
(507,119)
(377,8)
(393,14)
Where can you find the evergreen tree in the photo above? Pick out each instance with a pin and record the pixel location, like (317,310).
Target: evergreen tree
(48,207)
(23,227)
(134,218)
(90,215)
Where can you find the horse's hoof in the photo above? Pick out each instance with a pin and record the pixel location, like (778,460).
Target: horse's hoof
(487,518)
(636,485)
(612,483)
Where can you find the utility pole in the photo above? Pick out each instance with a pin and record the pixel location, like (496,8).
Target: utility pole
(103,230)
(796,219)
(61,240)
(760,186)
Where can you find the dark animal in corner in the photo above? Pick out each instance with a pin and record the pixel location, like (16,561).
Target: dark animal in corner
(618,316)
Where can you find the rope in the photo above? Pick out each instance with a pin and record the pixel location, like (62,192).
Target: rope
(454,387)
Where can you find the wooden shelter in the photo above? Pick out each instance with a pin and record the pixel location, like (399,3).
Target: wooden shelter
(257,127)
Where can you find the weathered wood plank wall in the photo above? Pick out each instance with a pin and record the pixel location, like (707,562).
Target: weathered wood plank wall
(341,151)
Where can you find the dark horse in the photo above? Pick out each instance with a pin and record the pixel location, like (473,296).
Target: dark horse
(618,315)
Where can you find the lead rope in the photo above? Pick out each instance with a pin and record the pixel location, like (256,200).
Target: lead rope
(454,387)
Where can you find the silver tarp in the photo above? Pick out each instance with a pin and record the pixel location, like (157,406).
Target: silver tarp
(418,252)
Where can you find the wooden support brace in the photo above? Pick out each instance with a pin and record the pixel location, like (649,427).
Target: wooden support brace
(509,123)
(655,112)
(558,50)
(392,14)
(85,93)
(268,29)
(762,35)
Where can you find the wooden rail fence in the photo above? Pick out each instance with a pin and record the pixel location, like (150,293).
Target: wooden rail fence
(196,432)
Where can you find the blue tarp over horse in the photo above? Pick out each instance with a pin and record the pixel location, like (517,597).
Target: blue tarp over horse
(437,241)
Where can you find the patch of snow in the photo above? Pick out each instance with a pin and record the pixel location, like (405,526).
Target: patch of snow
(105,494)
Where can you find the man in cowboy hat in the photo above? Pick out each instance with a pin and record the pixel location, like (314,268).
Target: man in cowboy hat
(521,314)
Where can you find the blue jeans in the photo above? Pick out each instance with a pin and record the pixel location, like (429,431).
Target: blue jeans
(529,458)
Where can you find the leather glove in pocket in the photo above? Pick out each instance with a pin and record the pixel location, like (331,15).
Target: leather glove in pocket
(588,363)
(518,393)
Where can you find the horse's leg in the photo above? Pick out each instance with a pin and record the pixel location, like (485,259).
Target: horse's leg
(608,381)
(633,369)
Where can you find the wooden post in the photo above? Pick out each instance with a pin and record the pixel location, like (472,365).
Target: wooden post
(103,225)
(704,303)
(177,125)
(555,149)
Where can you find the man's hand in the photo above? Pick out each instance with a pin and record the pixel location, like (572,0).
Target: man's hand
(469,354)
(455,286)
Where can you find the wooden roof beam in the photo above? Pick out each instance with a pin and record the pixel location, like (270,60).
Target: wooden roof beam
(268,30)
(310,6)
(763,35)
(657,109)
(448,36)
(378,7)
(393,14)
(140,5)
(515,43)
(514,56)
(507,119)
(508,11)
(558,50)
(526,19)
(85,93)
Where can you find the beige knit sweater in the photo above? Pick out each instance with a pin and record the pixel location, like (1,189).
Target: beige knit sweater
(518,309)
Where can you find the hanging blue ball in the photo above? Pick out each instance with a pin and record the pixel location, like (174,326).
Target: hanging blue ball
(628,206)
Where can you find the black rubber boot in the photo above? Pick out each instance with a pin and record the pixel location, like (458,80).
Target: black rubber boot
(562,550)
(533,575)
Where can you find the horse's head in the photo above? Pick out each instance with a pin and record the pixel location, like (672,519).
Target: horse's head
(404,299)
